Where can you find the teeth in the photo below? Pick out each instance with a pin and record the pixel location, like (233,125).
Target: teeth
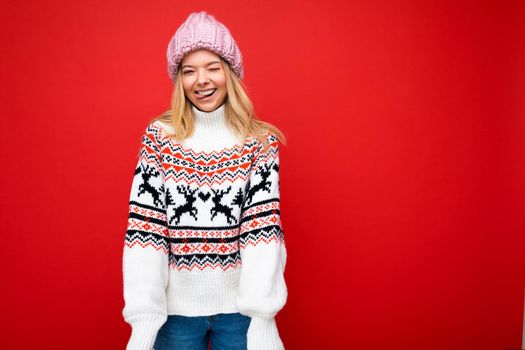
(207,92)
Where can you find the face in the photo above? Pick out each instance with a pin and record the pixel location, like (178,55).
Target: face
(202,73)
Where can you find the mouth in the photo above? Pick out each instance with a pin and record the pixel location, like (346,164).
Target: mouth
(204,94)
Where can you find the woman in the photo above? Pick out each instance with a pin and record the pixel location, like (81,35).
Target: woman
(204,253)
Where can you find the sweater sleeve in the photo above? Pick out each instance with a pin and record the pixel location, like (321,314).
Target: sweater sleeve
(262,289)
(146,250)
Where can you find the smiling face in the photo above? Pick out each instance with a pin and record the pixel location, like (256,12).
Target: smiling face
(202,73)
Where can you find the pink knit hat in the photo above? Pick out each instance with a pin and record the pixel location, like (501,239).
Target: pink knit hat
(201,30)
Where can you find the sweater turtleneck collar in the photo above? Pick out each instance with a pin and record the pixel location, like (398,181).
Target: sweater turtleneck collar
(210,121)
(211,132)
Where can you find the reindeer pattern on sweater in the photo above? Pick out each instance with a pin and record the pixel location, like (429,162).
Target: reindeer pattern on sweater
(206,198)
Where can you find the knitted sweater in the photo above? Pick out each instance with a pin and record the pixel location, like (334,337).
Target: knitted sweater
(204,233)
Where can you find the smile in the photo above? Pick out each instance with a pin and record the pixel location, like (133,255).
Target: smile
(206,92)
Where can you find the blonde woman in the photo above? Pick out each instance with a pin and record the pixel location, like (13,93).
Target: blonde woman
(204,254)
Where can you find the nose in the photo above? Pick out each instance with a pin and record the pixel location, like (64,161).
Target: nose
(202,78)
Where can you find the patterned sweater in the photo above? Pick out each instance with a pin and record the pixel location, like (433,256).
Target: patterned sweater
(204,233)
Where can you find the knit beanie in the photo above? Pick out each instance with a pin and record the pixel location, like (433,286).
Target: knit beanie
(201,30)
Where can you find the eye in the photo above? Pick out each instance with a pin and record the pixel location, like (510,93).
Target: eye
(215,69)
(187,71)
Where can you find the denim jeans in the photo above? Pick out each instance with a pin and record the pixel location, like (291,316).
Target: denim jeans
(225,331)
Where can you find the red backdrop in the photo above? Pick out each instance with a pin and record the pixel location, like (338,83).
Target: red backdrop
(403,196)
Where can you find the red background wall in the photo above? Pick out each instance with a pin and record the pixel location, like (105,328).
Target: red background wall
(403,189)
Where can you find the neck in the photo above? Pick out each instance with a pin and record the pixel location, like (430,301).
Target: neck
(210,121)
(211,131)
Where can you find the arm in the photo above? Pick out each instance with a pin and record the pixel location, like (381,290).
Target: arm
(262,290)
(146,250)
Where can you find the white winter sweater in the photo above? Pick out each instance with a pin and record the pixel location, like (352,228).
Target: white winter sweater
(204,233)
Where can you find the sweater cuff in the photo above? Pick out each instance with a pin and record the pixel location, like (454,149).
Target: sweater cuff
(144,331)
(263,334)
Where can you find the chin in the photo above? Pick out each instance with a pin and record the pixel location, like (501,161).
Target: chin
(207,107)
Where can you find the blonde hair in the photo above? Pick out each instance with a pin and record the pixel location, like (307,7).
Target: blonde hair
(239,112)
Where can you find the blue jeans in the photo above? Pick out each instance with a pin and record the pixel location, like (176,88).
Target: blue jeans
(225,331)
